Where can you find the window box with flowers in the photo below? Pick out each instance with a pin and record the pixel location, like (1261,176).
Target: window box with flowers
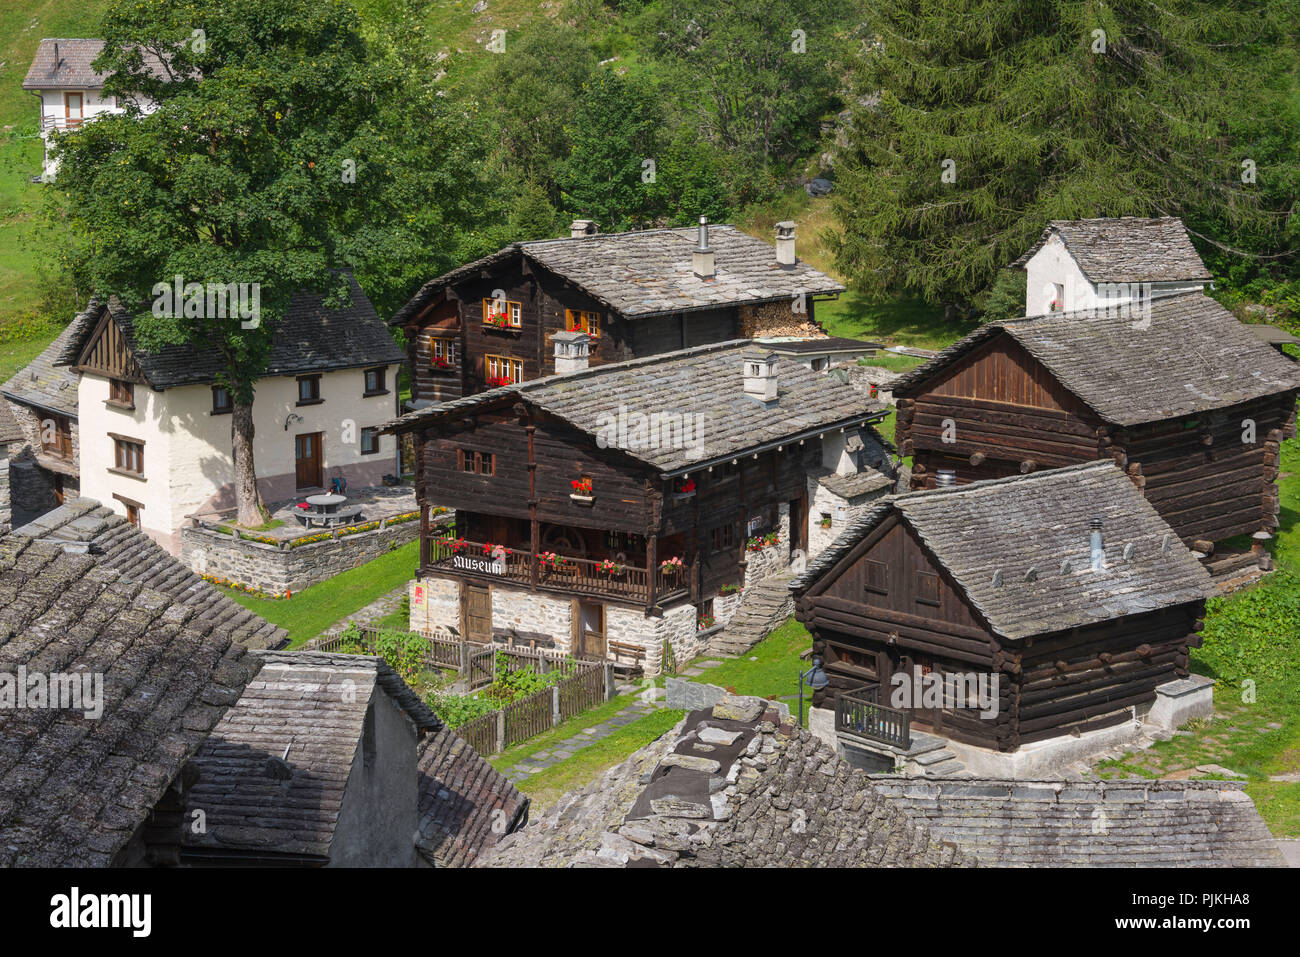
(611,568)
(440,364)
(707,621)
(502,316)
(497,381)
(760,542)
(582,491)
(683,489)
(552,563)
(672,567)
(826,522)
(729,589)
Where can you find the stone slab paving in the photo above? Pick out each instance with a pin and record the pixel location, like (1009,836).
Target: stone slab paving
(536,763)
(381,607)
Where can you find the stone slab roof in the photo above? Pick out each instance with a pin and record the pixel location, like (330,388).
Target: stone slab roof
(44,384)
(10,430)
(73,789)
(1126,249)
(856,484)
(819,344)
(1192,356)
(273,772)
(649,272)
(466,805)
(1091,823)
(72,68)
(309,338)
(735,785)
(136,557)
(1019,548)
(707,381)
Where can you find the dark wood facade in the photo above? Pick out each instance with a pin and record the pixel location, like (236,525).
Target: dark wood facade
(545,302)
(889,607)
(523,499)
(997,412)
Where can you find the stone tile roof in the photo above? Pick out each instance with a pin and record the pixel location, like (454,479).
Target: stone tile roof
(44,384)
(649,272)
(273,772)
(1126,249)
(1019,548)
(736,785)
(1091,823)
(72,70)
(707,381)
(135,557)
(1193,356)
(10,430)
(74,789)
(859,483)
(310,338)
(466,805)
(819,344)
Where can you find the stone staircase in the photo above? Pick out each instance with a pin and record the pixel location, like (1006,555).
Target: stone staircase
(929,756)
(762,608)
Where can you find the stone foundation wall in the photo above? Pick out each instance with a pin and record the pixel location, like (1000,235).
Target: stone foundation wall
(6,514)
(434,603)
(31,490)
(276,570)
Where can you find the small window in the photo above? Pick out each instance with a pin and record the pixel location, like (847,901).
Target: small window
(369,440)
(308,389)
(487,463)
(132,509)
(927,588)
(821,365)
(484,463)
(724,537)
(221,401)
(502,370)
(877,577)
(442,354)
(121,393)
(128,455)
(575,320)
(56,436)
(503,314)
(375,382)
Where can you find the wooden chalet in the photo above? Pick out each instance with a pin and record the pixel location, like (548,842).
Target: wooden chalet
(644,293)
(1065,585)
(1174,390)
(616,502)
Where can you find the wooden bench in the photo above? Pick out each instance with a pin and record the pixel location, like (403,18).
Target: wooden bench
(620,650)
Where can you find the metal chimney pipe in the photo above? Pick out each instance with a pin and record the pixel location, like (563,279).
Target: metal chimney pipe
(1097,546)
(704,236)
(945,478)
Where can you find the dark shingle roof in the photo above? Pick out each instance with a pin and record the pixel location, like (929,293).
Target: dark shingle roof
(314,704)
(1005,542)
(1126,249)
(1091,823)
(310,338)
(10,430)
(649,272)
(73,789)
(135,557)
(1191,356)
(707,381)
(466,805)
(44,384)
(72,69)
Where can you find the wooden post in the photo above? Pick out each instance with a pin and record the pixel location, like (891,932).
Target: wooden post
(609,681)
(652,569)
(501,730)
(424,539)
(555,706)
(534,529)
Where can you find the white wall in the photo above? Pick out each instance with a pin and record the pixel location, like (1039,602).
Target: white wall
(93,103)
(187,454)
(1053,264)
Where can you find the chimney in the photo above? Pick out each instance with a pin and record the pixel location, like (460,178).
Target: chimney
(572,350)
(945,478)
(56,56)
(1097,547)
(785,244)
(702,255)
(582,227)
(760,375)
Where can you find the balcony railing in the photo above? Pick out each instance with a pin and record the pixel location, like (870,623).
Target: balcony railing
(62,122)
(858,714)
(562,573)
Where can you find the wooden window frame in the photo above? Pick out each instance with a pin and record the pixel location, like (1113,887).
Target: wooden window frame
(444,348)
(132,506)
(514,313)
(875,576)
(62,447)
(381,382)
(122,455)
(226,409)
(510,362)
(724,537)
(315,390)
(928,582)
(582,320)
(480,463)
(121,394)
(373,431)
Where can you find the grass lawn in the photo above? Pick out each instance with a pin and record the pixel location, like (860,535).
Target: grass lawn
(561,732)
(311,611)
(891,361)
(775,673)
(546,786)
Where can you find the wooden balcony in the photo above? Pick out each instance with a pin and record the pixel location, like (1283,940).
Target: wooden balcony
(572,576)
(859,714)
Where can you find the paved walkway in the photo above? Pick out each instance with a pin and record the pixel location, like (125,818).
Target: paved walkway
(567,748)
(381,607)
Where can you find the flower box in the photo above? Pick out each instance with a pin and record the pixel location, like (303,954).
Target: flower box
(582,499)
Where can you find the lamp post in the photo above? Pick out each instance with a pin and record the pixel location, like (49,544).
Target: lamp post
(816,679)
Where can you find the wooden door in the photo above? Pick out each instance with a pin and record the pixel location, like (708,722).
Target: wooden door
(476,601)
(307,459)
(589,631)
(72,109)
(911,664)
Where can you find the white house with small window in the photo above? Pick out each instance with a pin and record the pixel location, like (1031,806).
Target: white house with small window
(156,426)
(70,91)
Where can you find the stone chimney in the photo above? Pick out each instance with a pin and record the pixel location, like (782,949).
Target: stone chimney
(760,375)
(582,227)
(702,255)
(572,351)
(785,243)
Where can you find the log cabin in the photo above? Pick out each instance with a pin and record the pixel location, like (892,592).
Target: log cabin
(492,321)
(625,505)
(1063,592)
(1173,389)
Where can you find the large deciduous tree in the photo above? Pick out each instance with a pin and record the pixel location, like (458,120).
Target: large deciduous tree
(976,121)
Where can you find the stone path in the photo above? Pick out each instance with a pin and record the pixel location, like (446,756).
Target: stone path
(762,608)
(381,607)
(567,748)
